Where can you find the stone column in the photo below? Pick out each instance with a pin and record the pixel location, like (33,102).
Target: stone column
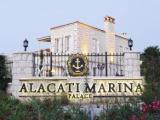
(132,64)
(23,64)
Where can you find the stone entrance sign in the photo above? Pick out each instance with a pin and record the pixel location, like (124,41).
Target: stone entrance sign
(80,88)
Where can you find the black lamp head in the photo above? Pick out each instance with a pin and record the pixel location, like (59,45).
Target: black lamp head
(130,43)
(25,44)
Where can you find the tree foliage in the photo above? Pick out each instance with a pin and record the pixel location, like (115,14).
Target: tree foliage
(3,73)
(151,71)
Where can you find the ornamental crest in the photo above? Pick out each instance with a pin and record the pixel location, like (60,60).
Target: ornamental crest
(77,65)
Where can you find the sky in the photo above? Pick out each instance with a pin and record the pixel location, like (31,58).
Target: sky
(31,19)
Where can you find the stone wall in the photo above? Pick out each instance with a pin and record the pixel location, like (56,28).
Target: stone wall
(22,68)
(132,64)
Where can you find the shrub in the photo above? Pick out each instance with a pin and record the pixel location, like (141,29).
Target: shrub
(75,113)
(7,106)
(119,112)
(64,99)
(12,109)
(3,73)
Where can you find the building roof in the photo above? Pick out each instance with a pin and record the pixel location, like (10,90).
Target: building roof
(79,23)
(45,39)
(48,38)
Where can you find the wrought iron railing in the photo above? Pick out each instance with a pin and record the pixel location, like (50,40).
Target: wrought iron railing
(54,64)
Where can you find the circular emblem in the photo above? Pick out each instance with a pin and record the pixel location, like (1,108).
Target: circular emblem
(77,65)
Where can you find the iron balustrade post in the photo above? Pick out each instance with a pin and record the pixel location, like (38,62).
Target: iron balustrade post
(41,62)
(106,64)
(34,64)
(50,71)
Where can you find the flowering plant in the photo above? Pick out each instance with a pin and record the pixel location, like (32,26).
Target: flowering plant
(154,106)
(147,108)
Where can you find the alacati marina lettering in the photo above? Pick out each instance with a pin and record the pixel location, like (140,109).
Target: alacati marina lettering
(77,87)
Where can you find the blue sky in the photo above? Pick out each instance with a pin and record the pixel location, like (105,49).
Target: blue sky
(20,19)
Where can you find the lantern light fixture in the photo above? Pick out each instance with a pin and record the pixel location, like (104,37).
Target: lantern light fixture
(130,43)
(25,44)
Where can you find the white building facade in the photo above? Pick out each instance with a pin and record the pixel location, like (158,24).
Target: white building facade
(78,37)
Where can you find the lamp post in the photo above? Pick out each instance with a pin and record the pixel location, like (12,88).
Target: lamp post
(130,43)
(25,44)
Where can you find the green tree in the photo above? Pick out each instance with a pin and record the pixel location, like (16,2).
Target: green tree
(151,71)
(3,73)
